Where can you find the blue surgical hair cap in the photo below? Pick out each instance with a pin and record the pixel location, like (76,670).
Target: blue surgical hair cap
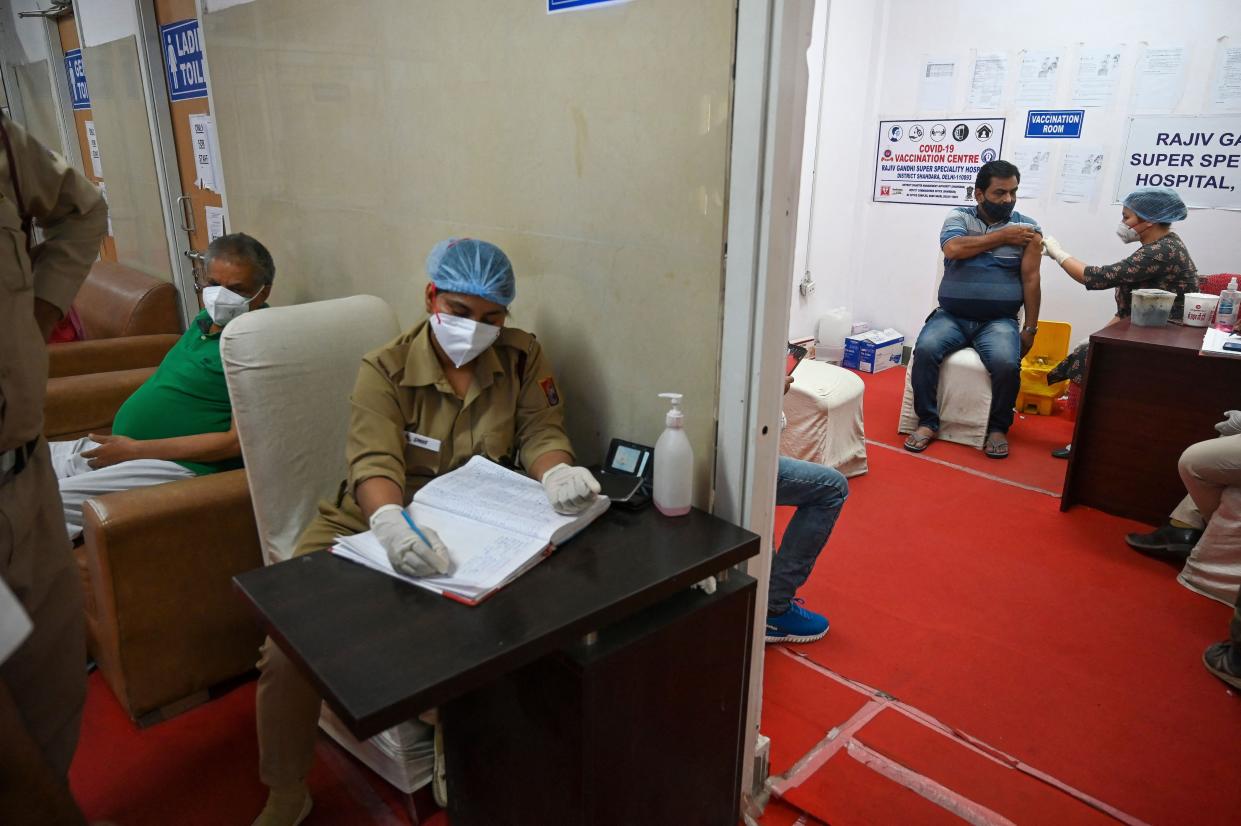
(472,267)
(1152,203)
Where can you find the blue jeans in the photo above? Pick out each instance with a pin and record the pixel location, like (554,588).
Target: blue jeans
(819,492)
(998,344)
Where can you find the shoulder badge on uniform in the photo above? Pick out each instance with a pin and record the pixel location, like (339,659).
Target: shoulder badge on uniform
(549,389)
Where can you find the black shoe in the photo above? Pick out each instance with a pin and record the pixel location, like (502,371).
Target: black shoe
(1062,452)
(1221,661)
(1168,542)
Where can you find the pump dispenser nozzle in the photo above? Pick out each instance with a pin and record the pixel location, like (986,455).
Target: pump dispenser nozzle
(675,417)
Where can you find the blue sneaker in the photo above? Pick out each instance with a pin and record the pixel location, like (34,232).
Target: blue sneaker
(796,624)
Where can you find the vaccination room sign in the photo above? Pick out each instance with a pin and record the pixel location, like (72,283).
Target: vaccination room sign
(934,161)
(1198,156)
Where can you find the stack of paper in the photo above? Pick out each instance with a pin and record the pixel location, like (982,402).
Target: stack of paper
(496,524)
(1214,340)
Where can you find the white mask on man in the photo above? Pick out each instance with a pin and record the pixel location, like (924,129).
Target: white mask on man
(462,339)
(1127,233)
(223,305)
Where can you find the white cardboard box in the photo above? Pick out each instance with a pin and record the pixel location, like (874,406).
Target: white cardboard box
(873,351)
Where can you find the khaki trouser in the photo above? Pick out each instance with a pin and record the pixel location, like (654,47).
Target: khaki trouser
(287,711)
(286,704)
(47,674)
(1207,468)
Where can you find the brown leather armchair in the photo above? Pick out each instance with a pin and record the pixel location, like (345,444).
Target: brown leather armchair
(157,565)
(130,320)
(162,621)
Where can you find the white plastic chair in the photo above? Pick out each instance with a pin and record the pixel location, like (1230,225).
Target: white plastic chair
(290,371)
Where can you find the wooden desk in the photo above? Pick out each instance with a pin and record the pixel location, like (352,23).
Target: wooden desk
(536,721)
(1147,396)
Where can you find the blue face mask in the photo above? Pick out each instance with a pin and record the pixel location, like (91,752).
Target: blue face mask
(998,212)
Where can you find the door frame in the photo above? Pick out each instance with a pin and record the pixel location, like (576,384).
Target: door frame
(71,148)
(168,175)
(765,153)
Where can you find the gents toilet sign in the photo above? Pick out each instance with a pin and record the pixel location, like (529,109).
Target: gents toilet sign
(78,91)
(183,57)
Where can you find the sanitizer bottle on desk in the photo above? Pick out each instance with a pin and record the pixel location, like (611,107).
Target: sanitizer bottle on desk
(674,463)
(1226,312)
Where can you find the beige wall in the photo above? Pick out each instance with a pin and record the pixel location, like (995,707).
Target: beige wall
(38,104)
(124,133)
(591,146)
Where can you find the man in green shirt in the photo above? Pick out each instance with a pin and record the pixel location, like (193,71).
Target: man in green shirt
(179,423)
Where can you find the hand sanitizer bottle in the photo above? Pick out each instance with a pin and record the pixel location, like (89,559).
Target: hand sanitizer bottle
(1226,312)
(674,463)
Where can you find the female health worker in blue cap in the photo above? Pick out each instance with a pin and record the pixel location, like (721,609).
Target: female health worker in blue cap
(1161,262)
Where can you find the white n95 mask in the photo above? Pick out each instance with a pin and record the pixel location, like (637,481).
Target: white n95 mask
(462,339)
(1127,233)
(223,305)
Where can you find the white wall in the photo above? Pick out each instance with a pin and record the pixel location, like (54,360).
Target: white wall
(882,260)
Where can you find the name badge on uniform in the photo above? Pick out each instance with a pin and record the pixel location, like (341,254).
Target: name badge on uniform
(418,440)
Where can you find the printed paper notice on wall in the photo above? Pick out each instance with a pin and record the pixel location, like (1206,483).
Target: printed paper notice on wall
(1097,71)
(1226,81)
(92,142)
(1038,77)
(934,160)
(1080,173)
(554,6)
(203,143)
(103,190)
(215,223)
(937,84)
(1034,161)
(1159,78)
(1198,156)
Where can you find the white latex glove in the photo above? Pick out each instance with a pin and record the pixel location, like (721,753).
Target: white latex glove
(570,489)
(1053,250)
(1231,425)
(406,551)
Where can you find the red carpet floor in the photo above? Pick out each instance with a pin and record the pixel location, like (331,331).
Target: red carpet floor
(1037,633)
(201,769)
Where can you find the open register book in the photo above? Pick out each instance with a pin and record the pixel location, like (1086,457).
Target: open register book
(496,524)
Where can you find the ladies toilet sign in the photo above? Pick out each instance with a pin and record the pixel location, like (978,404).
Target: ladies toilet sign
(183,58)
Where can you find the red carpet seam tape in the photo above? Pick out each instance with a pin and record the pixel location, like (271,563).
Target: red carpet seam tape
(938,794)
(919,716)
(825,749)
(988,476)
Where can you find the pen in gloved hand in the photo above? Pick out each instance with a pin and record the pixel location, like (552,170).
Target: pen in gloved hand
(409,520)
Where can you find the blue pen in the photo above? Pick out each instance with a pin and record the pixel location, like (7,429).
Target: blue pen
(414,528)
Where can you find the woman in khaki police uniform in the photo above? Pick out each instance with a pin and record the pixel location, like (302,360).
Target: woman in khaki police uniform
(458,384)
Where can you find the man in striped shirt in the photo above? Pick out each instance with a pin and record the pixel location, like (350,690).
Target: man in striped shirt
(991,271)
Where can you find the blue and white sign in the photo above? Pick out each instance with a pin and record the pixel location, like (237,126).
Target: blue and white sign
(1055,123)
(554,6)
(1197,155)
(183,57)
(77,79)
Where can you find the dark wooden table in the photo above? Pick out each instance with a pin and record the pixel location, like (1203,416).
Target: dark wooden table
(1147,395)
(522,697)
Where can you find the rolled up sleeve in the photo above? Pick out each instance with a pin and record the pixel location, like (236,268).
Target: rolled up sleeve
(71,212)
(540,410)
(954,227)
(376,443)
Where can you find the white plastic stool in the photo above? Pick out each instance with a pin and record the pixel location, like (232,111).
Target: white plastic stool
(964,399)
